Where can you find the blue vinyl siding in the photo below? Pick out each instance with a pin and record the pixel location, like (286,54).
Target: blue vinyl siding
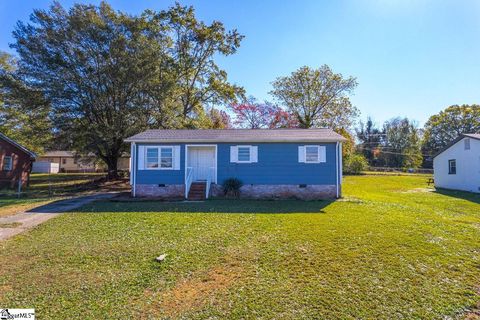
(163,176)
(277,164)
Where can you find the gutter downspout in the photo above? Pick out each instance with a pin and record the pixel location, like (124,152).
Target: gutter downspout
(340,153)
(337,171)
(134,168)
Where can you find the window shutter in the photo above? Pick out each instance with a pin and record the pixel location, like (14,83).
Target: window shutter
(176,157)
(253,154)
(322,154)
(301,154)
(233,154)
(141,158)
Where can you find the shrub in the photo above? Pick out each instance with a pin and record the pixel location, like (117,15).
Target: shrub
(231,187)
(355,164)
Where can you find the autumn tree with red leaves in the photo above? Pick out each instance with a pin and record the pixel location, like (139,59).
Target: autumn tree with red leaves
(253,115)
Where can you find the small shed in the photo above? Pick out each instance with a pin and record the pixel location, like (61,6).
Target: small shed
(45,167)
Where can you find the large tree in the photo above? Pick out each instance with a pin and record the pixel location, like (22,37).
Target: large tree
(194,45)
(317,97)
(447,125)
(110,75)
(251,114)
(371,138)
(402,145)
(24,112)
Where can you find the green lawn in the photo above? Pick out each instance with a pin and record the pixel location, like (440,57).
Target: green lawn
(391,249)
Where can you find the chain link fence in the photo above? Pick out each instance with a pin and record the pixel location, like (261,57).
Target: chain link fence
(51,185)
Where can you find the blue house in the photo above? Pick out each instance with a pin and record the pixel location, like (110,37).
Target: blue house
(271,163)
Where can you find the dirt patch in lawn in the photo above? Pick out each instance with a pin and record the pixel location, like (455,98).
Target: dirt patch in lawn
(419,190)
(193,294)
(202,288)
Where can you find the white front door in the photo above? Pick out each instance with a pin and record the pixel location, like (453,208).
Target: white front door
(202,161)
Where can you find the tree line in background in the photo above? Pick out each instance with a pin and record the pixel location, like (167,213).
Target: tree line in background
(88,77)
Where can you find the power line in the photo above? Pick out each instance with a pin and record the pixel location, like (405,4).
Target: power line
(396,153)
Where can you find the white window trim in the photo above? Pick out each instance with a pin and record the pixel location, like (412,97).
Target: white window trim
(249,154)
(159,158)
(10,167)
(318,153)
(200,145)
(450,161)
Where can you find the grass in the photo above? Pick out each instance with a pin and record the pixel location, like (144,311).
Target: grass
(10,225)
(46,188)
(391,249)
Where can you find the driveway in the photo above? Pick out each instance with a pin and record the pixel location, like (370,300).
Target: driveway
(12,225)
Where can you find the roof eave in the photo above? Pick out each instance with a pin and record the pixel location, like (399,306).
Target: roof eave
(32,154)
(233,140)
(460,137)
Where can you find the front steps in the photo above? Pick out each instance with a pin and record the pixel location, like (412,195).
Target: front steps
(197,191)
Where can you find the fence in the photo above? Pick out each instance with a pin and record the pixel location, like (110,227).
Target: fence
(401,170)
(11,187)
(51,185)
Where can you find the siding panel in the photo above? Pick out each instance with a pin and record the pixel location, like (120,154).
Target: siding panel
(278,163)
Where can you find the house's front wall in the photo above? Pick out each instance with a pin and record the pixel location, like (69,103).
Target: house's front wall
(21,165)
(277,173)
(467,177)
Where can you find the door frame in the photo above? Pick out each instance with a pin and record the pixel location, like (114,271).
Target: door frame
(200,145)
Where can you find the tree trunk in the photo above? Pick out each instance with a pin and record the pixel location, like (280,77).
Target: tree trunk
(112,173)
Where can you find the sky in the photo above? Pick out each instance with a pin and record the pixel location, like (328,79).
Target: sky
(411,58)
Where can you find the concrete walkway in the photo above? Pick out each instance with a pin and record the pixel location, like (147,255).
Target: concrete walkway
(33,217)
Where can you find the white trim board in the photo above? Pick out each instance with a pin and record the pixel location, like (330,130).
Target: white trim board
(200,145)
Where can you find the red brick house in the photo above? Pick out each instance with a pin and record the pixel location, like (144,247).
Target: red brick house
(15,163)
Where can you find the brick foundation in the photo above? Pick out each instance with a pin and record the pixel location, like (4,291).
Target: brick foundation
(282,191)
(256,191)
(169,191)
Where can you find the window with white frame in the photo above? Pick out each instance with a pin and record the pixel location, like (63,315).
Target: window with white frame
(243,154)
(452,166)
(7,163)
(312,154)
(159,158)
(151,158)
(467,143)
(166,157)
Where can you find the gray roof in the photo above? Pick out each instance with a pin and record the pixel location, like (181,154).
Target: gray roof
(59,153)
(237,135)
(460,137)
(18,145)
(472,135)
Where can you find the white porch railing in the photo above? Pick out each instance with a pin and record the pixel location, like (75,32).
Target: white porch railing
(188,181)
(210,177)
(206,174)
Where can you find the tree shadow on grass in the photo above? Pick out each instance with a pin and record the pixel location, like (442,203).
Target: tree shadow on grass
(211,206)
(469,196)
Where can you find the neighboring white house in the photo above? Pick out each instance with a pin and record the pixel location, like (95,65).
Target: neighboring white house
(458,165)
(69,161)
